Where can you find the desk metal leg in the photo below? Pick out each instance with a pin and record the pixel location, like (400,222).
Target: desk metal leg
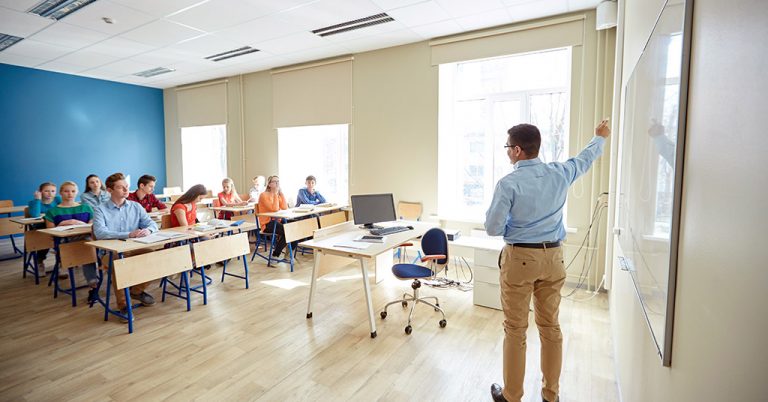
(313,283)
(129,306)
(368,301)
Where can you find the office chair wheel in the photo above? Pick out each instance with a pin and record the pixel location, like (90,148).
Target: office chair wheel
(443,323)
(405,304)
(408,330)
(438,305)
(383,315)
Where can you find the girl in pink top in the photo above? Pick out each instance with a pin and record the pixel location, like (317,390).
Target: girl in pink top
(229,198)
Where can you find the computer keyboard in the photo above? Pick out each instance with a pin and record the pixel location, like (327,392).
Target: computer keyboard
(388,231)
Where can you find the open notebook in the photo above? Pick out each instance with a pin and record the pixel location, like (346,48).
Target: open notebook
(158,237)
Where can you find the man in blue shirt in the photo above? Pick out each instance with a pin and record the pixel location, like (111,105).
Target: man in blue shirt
(309,195)
(118,218)
(527,209)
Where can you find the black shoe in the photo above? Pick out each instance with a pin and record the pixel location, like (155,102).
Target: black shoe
(496,393)
(93,295)
(146,299)
(124,312)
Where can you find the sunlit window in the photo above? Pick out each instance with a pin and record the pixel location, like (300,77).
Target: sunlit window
(204,156)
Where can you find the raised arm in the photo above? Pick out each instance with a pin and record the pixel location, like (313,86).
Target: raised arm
(574,167)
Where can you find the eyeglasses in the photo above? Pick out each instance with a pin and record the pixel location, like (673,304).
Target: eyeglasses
(511,146)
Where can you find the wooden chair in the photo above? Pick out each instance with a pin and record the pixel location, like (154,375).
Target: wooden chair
(34,241)
(332,219)
(71,255)
(298,230)
(147,267)
(175,197)
(11,229)
(222,249)
(6,203)
(409,210)
(165,221)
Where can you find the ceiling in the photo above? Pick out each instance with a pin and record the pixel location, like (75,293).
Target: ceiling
(179,34)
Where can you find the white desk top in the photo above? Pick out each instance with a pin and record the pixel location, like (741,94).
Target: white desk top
(296,212)
(331,244)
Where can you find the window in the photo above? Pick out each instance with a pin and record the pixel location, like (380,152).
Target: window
(204,156)
(320,151)
(479,101)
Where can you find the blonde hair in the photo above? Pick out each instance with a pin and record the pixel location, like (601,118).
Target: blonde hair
(231,183)
(68,183)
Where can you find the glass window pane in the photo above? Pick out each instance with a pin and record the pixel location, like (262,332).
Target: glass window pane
(204,156)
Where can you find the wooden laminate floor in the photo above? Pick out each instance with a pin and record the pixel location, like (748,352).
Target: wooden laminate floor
(256,344)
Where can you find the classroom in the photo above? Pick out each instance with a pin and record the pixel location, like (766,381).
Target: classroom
(390,200)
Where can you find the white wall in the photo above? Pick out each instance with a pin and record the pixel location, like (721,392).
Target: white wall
(721,318)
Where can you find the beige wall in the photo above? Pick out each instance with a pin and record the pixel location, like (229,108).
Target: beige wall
(394,115)
(720,321)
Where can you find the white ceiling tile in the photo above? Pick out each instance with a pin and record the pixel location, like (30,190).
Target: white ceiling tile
(124,18)
(441,28)
(165,56)
(207,45)
(87,59)
(186,67)
(420,14)
(260,29)
(382,41)
(21,24)
(393,4)
(119,47)
(292,43)
(324,13)
(578,5)
(219,14)
(33,48)
(537,9)
(516,2)
(126,66)
(18,60)
(161,33)
(101,74)
(18,5)
(159,8)
(62,67)
(72,36)
(458,8)
(484,20)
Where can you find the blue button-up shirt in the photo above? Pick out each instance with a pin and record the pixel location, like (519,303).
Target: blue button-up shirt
(527,205)
(305,197)
(113,222)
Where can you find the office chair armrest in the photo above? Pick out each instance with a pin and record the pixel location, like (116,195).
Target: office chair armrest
(432,257)
(405,245)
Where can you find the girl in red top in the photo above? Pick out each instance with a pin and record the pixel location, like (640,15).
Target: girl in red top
(184,210)
(229,198)
(273,200)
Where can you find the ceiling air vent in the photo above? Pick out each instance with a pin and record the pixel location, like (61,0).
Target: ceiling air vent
(153,72)
(353,25)
(58,9)
(7,41)
(232,53)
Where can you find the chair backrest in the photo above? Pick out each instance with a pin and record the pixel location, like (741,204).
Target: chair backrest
(10,228)
(332,219)
(409,210)
(6,203)
(252,218)
(150,266)
(171,190)
(26,212)
(34,241)
(76,253)
(300,229)
(175,197)
(435,242)
(165,221)
(215,250)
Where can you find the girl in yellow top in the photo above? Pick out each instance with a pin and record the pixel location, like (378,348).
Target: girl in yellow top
(273,200)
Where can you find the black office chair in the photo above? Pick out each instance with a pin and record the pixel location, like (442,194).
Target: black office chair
(434,243)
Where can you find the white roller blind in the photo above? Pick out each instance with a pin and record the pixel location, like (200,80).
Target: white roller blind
(555,33)
(313,95)
(202,105)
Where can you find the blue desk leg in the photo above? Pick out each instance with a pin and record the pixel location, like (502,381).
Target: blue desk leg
(185,278)
(72,286)
(272,243)
(245,265)
(54,280)
(129,306)
(109,286)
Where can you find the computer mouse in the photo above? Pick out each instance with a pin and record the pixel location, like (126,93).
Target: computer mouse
(409,227)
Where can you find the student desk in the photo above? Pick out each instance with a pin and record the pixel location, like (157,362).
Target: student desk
(61,235)
(286,215)
(29,263)
(10,228)
(328,245)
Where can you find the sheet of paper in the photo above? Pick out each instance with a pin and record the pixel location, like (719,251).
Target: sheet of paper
(351,244)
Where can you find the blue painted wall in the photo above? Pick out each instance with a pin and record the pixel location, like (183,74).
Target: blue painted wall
(57,127)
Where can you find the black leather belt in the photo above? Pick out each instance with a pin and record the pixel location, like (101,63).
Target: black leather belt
(544,245)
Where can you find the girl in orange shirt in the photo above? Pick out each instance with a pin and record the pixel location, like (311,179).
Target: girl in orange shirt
(184,210)
(273,200)
(229,198)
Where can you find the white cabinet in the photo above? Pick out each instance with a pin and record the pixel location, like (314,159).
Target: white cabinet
(486,291)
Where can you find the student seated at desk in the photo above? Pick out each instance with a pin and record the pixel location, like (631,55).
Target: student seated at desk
(309,195)
(95,192)
(184,210)
(69,212)
(256,189)
(273,200)
(144,194)
(45,199)
(117,218)
(229,198)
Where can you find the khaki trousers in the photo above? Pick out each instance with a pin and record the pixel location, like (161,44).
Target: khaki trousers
(541,273)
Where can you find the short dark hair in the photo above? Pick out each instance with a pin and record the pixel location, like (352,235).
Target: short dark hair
(527,137)
(311,178)
(110,182)
(146,179)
